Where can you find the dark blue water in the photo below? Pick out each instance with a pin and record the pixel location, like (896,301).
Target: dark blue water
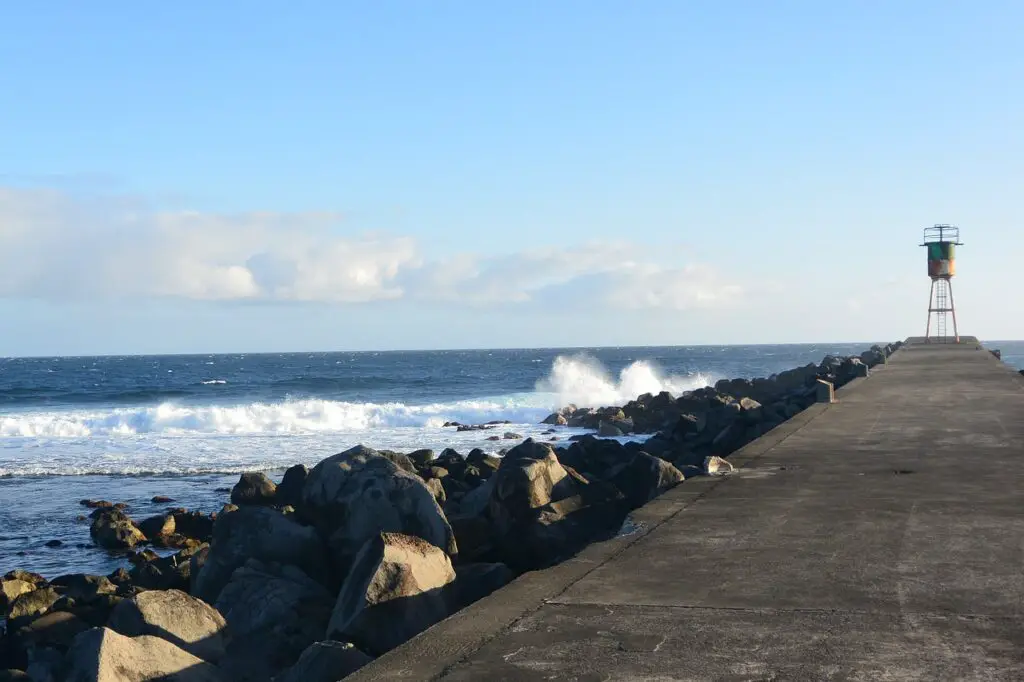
(129,428)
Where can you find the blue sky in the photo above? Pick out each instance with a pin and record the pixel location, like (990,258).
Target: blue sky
(345,175)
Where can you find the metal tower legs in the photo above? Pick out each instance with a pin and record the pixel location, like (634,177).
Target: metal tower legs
(940,302)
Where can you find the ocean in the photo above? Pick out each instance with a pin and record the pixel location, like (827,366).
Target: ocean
(127,428)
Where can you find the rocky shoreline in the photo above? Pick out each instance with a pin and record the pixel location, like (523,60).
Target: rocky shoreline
(312,577)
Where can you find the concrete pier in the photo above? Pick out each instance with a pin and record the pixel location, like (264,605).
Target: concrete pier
(877,537)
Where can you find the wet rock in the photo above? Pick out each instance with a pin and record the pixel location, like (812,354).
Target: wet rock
(158,526)
(253,488)
(13,675)
(45,664)
(325,662)
(393,592)
(290,489)
(112,529)
(193,524)
(257,533)
(96,504)
(357,494)
(161,499)
(606,430)
(52,544)
(274,612)
(184,621)
(512,435)
(494,438)
(102,655)
(555,419)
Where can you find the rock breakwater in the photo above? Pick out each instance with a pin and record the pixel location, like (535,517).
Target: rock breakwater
(311,577)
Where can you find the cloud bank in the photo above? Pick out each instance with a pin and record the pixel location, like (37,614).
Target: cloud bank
(58,247)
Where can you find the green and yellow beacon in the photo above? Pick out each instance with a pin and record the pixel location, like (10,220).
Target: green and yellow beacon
(941,242)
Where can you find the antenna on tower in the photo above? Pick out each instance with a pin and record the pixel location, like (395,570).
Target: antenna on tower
(941,241)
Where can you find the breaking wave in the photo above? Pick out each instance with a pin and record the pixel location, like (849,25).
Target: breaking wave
(585,382)
(287,417)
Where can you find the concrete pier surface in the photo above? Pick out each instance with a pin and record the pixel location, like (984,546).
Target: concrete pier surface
(877,538)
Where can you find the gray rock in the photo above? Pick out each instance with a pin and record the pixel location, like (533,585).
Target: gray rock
(357,494)
(256,533)
(529,477)
(289,491)
(253,488)
(606,430)
(274,612)
(186,622)
(112,529)
(56,629)
(421,458)
(436,489)
(13,675)
(393,592)
(32,604)
(555,419)
(83,587)
(644,477)
(325,662)
(158,526)
(11,589)
(102,655)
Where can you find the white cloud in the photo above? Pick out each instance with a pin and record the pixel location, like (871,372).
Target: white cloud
(59,247)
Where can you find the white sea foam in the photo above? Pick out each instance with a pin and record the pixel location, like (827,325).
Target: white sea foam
(213,381)
(288,417)
(585,382)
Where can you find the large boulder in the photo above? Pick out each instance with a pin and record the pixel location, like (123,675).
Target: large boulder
(644,477)
(11,589)
(253,488)
(186,622)
(257,533)
(102,655)
(82,587)
(112,529)
(194,524)
(273,611)
(358,494)
(157,527)
(31,604)
(56,630)
(325,662)
(530,476)
(392,593)
(289,490)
